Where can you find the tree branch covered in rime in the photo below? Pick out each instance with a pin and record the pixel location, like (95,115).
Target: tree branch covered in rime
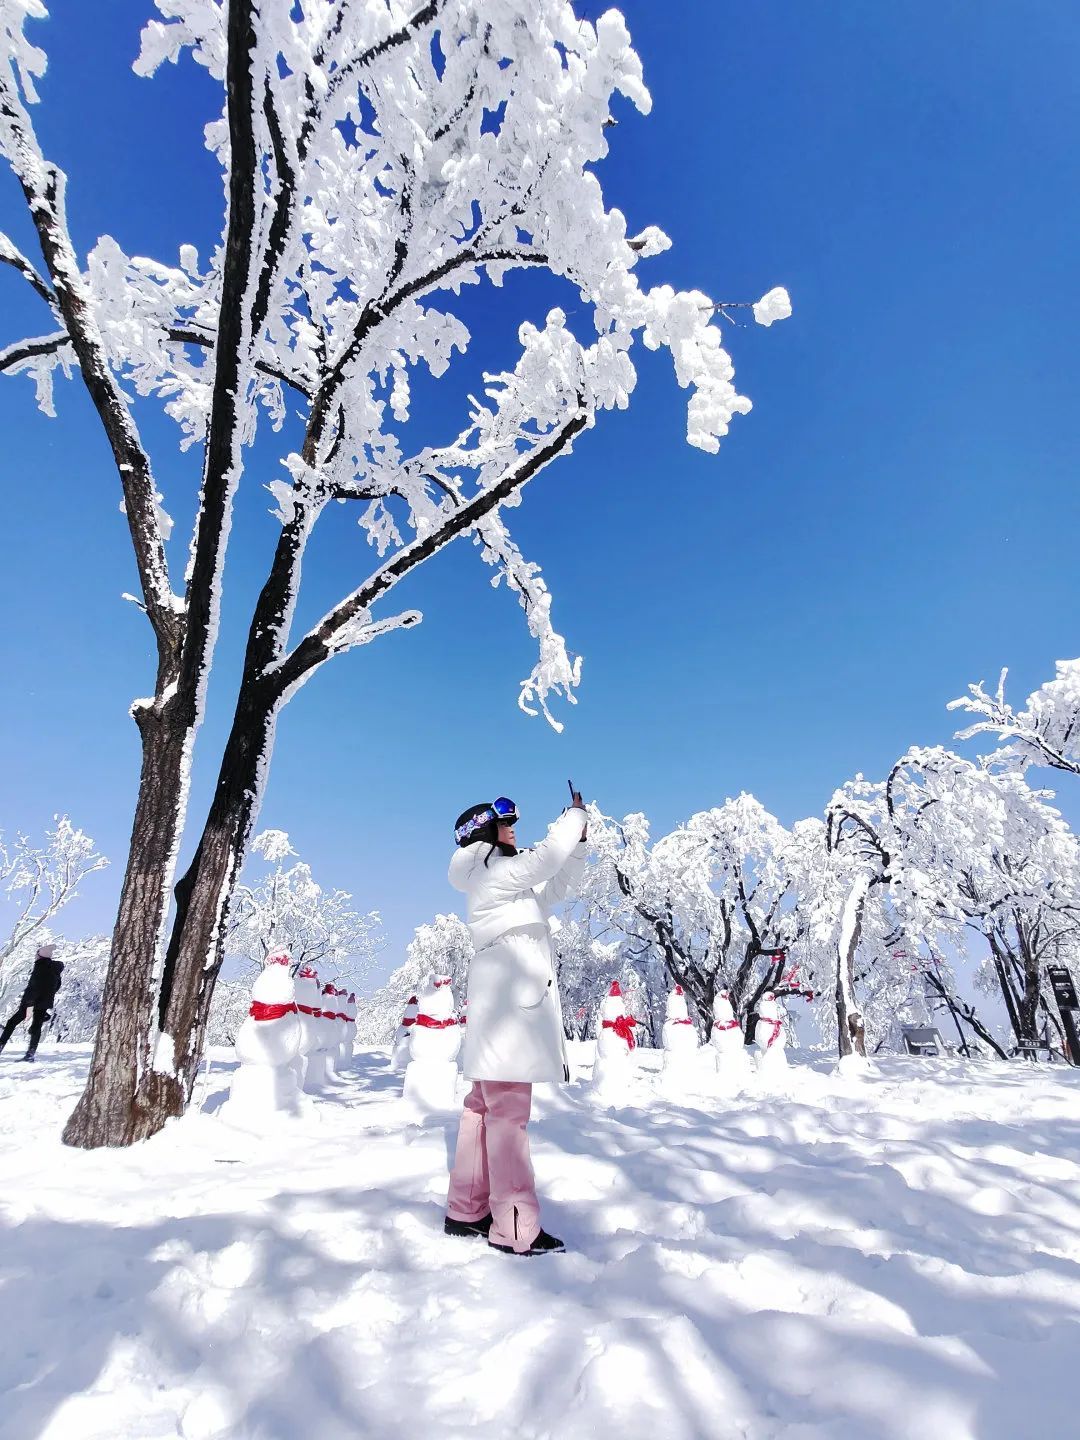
(1045,732)
(37,881)
(10,254)
(349,623)
(71,300)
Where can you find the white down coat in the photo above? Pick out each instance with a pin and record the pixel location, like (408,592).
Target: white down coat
(515,1029)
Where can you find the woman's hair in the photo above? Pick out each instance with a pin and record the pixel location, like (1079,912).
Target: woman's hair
(486,835)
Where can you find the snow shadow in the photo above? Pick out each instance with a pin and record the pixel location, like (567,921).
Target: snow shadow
(199,1295)
(839,1266)
(825,1286)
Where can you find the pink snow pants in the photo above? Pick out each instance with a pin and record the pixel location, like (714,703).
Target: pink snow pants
(492,1167)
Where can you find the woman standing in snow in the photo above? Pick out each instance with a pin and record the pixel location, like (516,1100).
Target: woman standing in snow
(515,1034)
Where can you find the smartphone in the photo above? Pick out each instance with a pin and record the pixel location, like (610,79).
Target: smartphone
(572,790)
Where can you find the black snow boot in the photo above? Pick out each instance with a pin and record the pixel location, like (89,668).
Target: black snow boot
(467,1227)
(544,1244)
(30,1055)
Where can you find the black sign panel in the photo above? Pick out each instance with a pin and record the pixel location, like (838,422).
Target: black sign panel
(1061,982)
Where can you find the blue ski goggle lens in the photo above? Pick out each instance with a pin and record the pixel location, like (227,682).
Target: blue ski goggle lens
(502,810)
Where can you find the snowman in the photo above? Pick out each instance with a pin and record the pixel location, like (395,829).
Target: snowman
(727,1042)
(400,1054)
(770,1041)
(680,1039)
(267,1047)
(309,1007)
(431,1075)
(331,1026)
(679,1034)
(348,1034)
(615,1067)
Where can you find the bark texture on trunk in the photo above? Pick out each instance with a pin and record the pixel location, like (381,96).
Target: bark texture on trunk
(196,945)
(850,1026)
(108,1110)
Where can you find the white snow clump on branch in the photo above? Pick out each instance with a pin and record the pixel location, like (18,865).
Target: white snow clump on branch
(775,305)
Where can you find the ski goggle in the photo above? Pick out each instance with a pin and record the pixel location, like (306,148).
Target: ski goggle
(502,811)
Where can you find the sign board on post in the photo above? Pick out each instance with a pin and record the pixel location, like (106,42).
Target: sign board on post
(1061,982)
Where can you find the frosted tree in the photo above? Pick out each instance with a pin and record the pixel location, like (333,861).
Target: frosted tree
(228,1011)
(36,882)
(441,947)
(720,899)
(589,955)
(886,899)
(1045,732)
(376,159)
(77,1008)
(940,847)
(288,910)
(1019,890)
(577,953)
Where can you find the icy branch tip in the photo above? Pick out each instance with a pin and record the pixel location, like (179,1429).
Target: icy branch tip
(776,305)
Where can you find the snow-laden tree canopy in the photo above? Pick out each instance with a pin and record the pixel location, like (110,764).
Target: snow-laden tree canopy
(36,882)
(720,898)
(945,847)
(442,946)
(286,909)
(77,1009)
(400,153)
(1045,732)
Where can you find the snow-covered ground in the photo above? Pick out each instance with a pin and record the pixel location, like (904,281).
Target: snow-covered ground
(896,1255)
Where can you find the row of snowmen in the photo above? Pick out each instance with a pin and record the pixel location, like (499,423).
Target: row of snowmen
(297,1035)
(687,1062)
(429,1038)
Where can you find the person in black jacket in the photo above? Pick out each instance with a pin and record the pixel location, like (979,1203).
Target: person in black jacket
(37,1000)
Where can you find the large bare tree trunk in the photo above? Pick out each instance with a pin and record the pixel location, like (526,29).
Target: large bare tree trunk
(1029,1001)
(108,1112)
(1019,977)
(850,1026)
(196,945)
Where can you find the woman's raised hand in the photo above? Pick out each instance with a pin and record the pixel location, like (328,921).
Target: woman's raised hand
(578,804)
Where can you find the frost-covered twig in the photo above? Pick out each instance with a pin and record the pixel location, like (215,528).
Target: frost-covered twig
(319,644)
(1045,732)
(43,185)
(10,254)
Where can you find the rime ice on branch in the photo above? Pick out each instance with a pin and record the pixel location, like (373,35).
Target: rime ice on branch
(1045,732)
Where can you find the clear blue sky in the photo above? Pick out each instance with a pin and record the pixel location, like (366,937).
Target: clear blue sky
(896,517)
